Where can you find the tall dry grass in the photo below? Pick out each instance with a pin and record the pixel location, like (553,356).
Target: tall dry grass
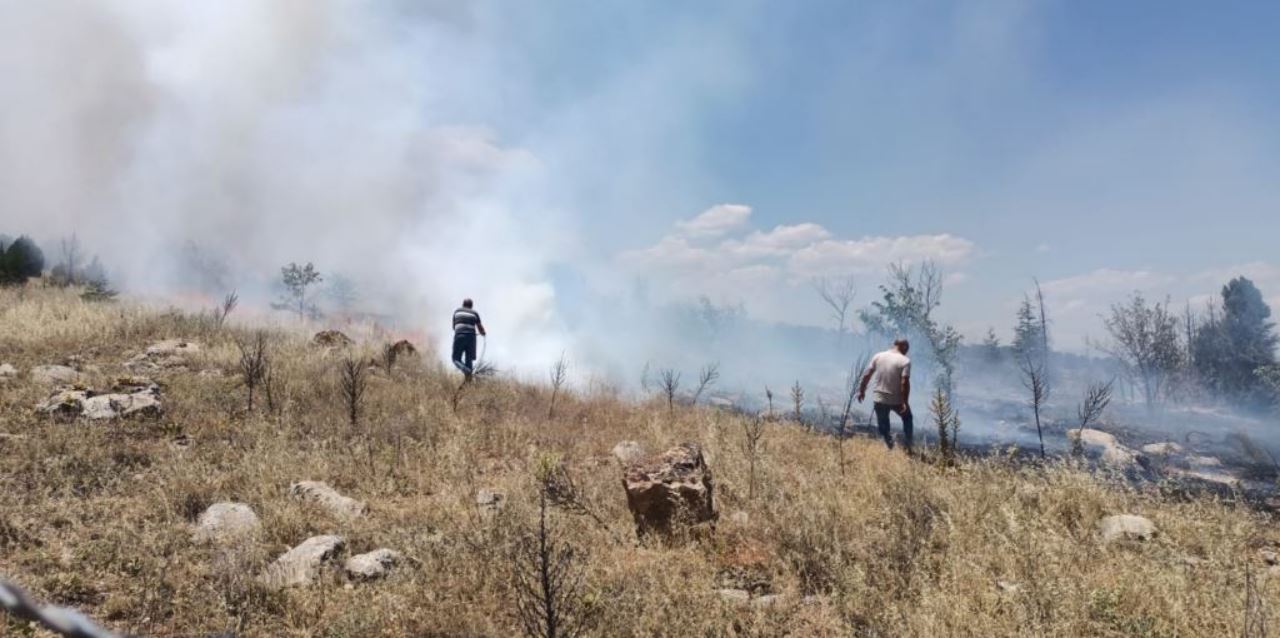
(97,515)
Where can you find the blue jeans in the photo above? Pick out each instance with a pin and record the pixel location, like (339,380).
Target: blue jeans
(882,420)
(464,351)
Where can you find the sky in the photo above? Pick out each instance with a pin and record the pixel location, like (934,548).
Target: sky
(543,156)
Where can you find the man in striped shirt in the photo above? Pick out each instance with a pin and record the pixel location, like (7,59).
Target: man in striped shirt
(466,324)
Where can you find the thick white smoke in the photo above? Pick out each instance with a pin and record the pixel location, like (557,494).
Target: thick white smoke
(270,132)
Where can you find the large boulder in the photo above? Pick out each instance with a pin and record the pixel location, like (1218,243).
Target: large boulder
(301,565)
(55,375)
(372,565)
(675,487)
(328,498)
(1126,527)
(227,524)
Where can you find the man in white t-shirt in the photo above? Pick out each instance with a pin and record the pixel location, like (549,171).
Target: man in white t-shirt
(892,372)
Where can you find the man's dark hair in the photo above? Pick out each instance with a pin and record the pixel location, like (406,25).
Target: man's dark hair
(466,303)
(902,343)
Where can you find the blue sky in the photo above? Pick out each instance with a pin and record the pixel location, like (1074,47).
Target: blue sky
(1102,147)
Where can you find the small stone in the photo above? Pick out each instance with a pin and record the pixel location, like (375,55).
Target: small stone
(1126,527)
(736,596)
(7,371)
(490,501)
(301,565)
(628,452)
(740,518)
(372,565)
(1008,587)
(227,524)
(1269,556)
(320,493)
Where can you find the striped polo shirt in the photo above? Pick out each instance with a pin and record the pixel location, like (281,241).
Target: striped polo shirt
(465,321)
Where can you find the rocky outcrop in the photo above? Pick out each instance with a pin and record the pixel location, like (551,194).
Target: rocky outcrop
(227,524)
(55,375)
(139,400)
(301,565)
(331,339)
(328,498)
(1126,527)
(372,565)
(674,488)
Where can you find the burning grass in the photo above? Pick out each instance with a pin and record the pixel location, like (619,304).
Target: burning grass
(97,515)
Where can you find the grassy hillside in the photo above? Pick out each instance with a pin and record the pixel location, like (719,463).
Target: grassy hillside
(98,514)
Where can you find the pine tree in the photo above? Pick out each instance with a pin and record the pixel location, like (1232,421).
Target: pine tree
(1232,346)
(20,261)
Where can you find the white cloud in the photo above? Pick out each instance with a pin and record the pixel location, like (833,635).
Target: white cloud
(719,255)
(716,221)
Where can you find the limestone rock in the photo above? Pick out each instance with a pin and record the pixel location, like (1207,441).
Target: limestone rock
(167,354)
(767,600)
(1168,448)
(301,565)
(72,402)
(7,371)
(227,524)
(675,486)
(1104,447)
(740,518)
(55,374)
(402,348)
(1126,527)
(628,452)
(328,498)
(331,339)
(372,565)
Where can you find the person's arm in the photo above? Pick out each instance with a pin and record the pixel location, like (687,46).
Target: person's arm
(906,389)
(866,379)
(480,326)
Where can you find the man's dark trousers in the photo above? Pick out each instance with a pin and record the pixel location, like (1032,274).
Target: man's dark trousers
(882,420)
(464,350)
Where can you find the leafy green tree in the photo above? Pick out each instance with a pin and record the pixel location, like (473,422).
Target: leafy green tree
(297,281)
(906,310)
(1232,346)
(20,261)
(1027,339)
(991,347)
(1145,339)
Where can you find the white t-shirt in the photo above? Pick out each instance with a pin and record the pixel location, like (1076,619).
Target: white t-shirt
(890,368)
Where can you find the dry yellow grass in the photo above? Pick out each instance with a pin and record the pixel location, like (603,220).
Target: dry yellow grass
(98,515)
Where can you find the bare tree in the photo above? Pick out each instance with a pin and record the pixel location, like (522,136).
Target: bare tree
(1144,338)
(255,363)
(229,303)
(1033,378)
(838,295)
(549,579)
(844,426)
(797,402)
(1044,333)
(768,395)
(707,377)
(559,372)
(752,431)
(669,381)
(354,380)
(1096,399)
